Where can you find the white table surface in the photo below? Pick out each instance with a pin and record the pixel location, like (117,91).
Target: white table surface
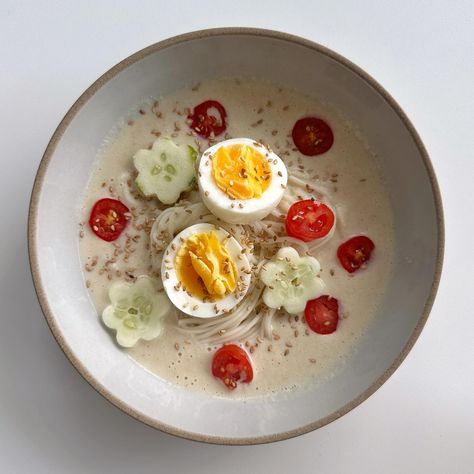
(421,420)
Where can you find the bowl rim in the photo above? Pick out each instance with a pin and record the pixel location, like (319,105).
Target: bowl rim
(33,253)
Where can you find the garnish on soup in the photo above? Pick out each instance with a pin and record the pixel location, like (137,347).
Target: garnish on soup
(108,219)
(166,170)
(208,119)
(231,364)
(290,280)
(241,181)
(309,220)
(241,171)
(312,136)
(355,253)
(205,272)
(205,268)
(136,310)
(322,314)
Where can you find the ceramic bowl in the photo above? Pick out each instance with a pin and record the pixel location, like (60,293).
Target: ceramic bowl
(159,69)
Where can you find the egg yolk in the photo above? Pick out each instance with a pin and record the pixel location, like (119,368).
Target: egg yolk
(241,171)
(205,268)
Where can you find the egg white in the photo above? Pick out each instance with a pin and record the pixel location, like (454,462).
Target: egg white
(245,211)
(180,298)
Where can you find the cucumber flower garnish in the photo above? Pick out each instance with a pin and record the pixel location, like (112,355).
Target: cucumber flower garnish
(166,170)
(291,280)
(136,311)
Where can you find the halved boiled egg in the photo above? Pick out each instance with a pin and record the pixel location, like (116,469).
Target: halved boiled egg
(241,180)
(205,271)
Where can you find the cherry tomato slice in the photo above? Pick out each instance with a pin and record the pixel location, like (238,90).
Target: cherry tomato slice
(208,117)
(312,136)
(355,252)
(309,220)
(231,364)
(322,314)
(108,219)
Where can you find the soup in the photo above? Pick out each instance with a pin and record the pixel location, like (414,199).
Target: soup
(207,200)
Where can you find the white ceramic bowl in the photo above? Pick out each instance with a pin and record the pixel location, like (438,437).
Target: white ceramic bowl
(159,69)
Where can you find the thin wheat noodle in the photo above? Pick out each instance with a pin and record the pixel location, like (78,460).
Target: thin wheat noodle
(258,239)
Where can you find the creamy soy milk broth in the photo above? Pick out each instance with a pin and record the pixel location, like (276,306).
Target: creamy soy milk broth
(295,357)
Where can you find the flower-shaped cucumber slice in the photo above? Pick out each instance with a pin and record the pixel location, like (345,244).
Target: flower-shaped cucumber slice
(291,280)
(136,311)
(166,170)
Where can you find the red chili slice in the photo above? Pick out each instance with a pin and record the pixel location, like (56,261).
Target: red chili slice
(312,136)
(355,252)
(108,219)
(322,314)
(208,117)
(309,220)
(231,364)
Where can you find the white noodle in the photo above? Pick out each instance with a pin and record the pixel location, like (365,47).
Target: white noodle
(260,239)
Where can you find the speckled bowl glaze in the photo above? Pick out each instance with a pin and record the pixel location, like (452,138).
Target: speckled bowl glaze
(159,69)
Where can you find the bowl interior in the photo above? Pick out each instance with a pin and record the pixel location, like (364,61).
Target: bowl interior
(55,214)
